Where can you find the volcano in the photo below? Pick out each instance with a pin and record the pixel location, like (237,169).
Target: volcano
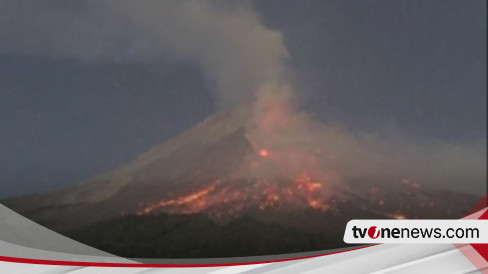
(278,171)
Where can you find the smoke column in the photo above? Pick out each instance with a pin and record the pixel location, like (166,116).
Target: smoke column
(242,61)
(236,53)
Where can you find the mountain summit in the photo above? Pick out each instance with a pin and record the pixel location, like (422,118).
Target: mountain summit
(226,166)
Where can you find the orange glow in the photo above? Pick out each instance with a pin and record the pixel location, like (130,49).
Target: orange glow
(227,199)
(285,171)
(179,201)
(316,204)
(398,216)
(263,153)
(314,186)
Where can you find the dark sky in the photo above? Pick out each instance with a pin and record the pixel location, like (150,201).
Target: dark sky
(416,65)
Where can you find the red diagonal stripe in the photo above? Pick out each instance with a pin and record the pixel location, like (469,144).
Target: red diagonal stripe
(482,249)
(479,205)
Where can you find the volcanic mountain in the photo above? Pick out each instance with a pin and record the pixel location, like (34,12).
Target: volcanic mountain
(277,171)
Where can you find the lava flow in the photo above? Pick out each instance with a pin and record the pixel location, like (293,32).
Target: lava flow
(221,199)
(282,169)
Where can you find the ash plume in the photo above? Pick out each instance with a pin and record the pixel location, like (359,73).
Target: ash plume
(244,62)
(236,53)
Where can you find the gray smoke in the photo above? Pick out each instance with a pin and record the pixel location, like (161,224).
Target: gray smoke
(241,59)
(234,50)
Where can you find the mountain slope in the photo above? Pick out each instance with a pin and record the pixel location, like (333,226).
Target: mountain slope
(220,169)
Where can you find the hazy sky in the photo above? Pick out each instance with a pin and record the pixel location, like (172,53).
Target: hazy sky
(416,65)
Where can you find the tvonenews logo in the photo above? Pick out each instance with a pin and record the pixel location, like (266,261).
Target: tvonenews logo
(416,231)
(373,232)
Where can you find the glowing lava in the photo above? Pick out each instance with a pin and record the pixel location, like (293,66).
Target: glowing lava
(183,200)
(316,204)
(224,199)
(263,153)
(283,169)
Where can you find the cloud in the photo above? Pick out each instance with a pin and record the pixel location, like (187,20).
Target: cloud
(241,59)
(234,50)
